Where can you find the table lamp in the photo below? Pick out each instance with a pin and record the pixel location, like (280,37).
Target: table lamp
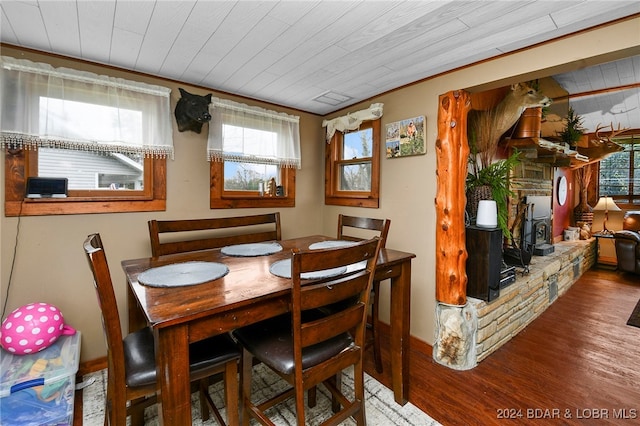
(606,204)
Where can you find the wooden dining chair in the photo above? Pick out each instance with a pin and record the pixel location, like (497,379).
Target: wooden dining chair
(309,345)
(348,227)
(200,234)
(131,360)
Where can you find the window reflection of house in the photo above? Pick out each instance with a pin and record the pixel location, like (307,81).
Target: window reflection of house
(90,170)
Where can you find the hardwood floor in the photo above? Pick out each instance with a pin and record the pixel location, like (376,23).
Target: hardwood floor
(578,363)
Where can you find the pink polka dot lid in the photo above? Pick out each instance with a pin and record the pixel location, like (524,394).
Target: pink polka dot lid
(32,328)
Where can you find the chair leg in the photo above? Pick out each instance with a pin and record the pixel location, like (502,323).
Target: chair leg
(312,396)
(117,407)
(136,413)
(300,414)
(377,356)
(245,393)
(231,392)
(203,389)
(337,382)
(358,382)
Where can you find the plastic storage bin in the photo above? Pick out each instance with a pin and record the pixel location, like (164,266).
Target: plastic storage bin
(38,389)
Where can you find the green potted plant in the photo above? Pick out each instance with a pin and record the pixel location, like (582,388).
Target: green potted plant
(573,129)
(492,179)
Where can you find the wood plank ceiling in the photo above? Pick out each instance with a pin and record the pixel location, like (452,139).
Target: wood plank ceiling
(315,56)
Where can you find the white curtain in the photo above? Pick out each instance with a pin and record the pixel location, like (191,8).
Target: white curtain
(238,132)
(50,107)
(352,120)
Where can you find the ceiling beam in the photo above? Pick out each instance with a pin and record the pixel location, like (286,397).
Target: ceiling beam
(598,91)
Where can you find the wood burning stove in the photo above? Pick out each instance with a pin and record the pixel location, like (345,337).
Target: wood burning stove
(536,233)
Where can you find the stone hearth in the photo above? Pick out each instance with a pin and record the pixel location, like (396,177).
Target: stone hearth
(468,334)
(523,301)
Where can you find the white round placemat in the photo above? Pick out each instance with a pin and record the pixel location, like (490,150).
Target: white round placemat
(331,244)
(251,249)
(183,274)
(282,268)
(340,243)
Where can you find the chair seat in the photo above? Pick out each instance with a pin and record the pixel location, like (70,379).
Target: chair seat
(271,341)
(139,355)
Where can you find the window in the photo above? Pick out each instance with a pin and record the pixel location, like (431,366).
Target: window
(252,150)
(619,175)
(352,167)
(109,137)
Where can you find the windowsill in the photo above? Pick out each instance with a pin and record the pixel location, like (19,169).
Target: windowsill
(232,203)
(65,206)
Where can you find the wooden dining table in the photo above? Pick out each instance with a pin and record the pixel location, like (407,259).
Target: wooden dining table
(248,293)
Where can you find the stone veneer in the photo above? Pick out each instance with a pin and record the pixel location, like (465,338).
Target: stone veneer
(523,301)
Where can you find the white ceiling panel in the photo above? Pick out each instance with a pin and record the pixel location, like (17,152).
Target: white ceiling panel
(95,20)
(6,31)
(291,52)
(61,23)
(26,21)
(194,34)
(165,24)
(125,47)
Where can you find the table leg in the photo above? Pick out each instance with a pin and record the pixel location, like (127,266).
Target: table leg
(136,317)
(400,323)
(172,364)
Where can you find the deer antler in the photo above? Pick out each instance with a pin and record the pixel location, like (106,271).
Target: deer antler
(613,134)
(598,128)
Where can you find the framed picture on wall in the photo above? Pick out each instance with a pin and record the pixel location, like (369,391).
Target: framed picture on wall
(406,137)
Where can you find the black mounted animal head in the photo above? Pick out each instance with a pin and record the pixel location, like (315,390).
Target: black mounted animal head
(192,111)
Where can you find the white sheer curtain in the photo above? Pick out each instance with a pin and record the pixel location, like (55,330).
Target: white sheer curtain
(50,107)
(238,132)
(352,120)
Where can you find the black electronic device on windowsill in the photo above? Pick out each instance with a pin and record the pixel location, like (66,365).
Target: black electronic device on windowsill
(41,187)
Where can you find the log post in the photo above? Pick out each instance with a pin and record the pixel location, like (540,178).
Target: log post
(456,321)
(452,151)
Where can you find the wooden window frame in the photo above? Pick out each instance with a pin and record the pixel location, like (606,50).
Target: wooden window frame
(21,164)
(627,201)
(333,196)
(221,199)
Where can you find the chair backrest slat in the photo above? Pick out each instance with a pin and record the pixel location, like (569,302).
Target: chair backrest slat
(344,297)
(380,226)
(212,233)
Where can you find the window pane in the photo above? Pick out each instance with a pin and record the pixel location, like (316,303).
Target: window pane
(355,177)
(87,170)
(614,174)
(620,173)
(249,142)
(81,121)
(239,176)
(357,144)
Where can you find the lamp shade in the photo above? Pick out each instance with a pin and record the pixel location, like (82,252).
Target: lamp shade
(606,204)
(487,214)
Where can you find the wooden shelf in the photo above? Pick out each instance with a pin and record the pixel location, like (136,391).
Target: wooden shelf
(532,151)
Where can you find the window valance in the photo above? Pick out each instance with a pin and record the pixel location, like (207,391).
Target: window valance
(43,106)
(352,120)
(238,132)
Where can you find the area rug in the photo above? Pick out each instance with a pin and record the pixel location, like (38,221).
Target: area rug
(634,319)
(381,409)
